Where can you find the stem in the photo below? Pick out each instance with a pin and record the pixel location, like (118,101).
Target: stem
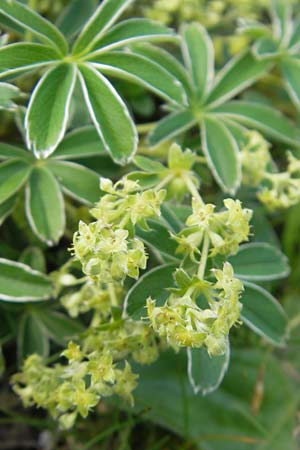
(192,188)
(112,294)
(204,256)
(163,182)
(145,127)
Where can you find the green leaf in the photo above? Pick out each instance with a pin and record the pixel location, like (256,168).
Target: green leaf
(23,57)
(104,17)
(8,151)
(165,60)
(264,314)
(48,110)
(145,180)
(59,327)
(80,143)
(33,22)
(132,31)
(159,238)
(20,283)
(206,373)
(238,74)
(154,284)
(2,363)
(147,164)
(260,262)
(109,114)
(226,419)
(198,53)
(74,16)
(281,11)
(34,257)
(77,181)
(171,126)
(45,206)
(143,71)
(13,175)
(32,337)
(7,93)
(265,48)
(290,69)
(6,208)
(261,117)
(222,153)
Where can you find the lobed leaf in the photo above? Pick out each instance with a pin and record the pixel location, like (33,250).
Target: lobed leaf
(222,153)
(45,206)
(109,114)
(20,283)
(48,111)
(77,181)
(260,261)
(33,22)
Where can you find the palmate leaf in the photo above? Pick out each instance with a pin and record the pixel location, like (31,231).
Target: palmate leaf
(77,181)
(33,22)
(261,117)
(13,175)
(7,93)
(47,115)
(45,206)
(290,69)
(8,151)
(221,151)
(20,283)
(130,31)
(198,53)
(79,143)
(6,208)
(281,11)
(74,16)
(109,114)
(171,126)
(143,71)
(18,58)
(106,15)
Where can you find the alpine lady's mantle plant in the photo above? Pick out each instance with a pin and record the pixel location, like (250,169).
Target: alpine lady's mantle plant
(161,266)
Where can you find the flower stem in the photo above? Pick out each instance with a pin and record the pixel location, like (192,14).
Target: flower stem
(192,188)
(204,256)
(112,294)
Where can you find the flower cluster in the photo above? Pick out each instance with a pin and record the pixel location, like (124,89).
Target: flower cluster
(183,323)
(225,229)
(94,370)
(107,248)
(276,189)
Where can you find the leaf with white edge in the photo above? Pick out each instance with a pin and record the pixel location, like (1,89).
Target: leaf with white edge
(263,314)
(143,71)
(35,23)
(109,114)
(13,175)
(34,257)
(131,31)
(20,283)
(198,53)
(80,143)
(6,208)
(281,11)
(7,94)
(45,206)
(166,60)
(154,284)
(75,15)
(48,111)
(290,69)
(159,238)
(77,181)
(59,327)
(261,117)
(206,373)
(222,153)
(32,337)
(171,126)
(265,48)
(238,74)
(260,261)
(104,17)
(8,151)
(23,57)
